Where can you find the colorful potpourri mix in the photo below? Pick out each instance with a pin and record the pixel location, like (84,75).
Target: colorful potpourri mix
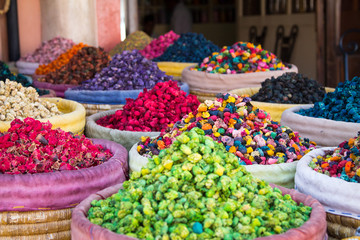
(31,146)
(197,190)
(153,109)
(245,131)
(342,162)
(241,57)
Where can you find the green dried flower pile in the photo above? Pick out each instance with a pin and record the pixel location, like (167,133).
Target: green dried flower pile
(197,190)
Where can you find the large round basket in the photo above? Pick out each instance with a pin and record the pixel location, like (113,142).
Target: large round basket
(219,83)
(58,88)
(27,68)
(339,198)
(39,206)
(280,174)
(174,68)
(314,228)
(325,132)
(92,109)
(125,138)
(51,94)
(72,119)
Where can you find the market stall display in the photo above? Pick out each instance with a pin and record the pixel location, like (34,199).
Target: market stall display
(334,119)
(183,140)
(125,77)
(47,52)
(332,175)
(146,115)
(82,66)
(241,65)
(190,191)
(269,150)
(39,164)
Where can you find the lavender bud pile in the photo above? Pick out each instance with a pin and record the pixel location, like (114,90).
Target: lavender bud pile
(126,71)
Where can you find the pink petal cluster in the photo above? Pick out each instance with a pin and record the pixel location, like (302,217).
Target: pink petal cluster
(31,146)
(152,110)
(49,50)
(158,46)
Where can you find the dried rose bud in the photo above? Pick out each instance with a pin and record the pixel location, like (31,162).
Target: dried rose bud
(39,148)
(153,110)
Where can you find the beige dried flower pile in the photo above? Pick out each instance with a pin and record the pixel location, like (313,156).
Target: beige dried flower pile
(20,102)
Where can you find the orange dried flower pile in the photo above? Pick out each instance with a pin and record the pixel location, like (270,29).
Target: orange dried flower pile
(62,60)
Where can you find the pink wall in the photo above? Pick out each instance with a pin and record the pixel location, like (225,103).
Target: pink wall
(29,18)
(108,23)
(4,55)
(107,17)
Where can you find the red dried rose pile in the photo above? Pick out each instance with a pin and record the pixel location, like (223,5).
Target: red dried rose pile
(152,110)
(31,146)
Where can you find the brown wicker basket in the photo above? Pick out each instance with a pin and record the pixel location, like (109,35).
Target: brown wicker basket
(95,108)
(340,227)
(51,224)
(202,96)
(66,235)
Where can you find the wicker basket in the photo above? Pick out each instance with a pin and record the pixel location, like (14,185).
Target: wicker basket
(202,96)
(174,68)
(51,224)
(340,227)
(96,108)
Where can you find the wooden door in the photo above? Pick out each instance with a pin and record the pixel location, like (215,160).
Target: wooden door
(4,53)
(334,17)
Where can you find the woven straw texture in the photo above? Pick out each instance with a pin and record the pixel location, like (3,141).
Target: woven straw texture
(52,224)
(202,96)
(96,108)
(340,226)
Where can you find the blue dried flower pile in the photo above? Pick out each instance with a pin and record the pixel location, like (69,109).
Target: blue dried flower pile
(190,47)
(341,105)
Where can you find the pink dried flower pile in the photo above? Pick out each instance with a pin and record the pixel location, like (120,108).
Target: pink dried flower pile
(31,146)
(158,46)
(152,110)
